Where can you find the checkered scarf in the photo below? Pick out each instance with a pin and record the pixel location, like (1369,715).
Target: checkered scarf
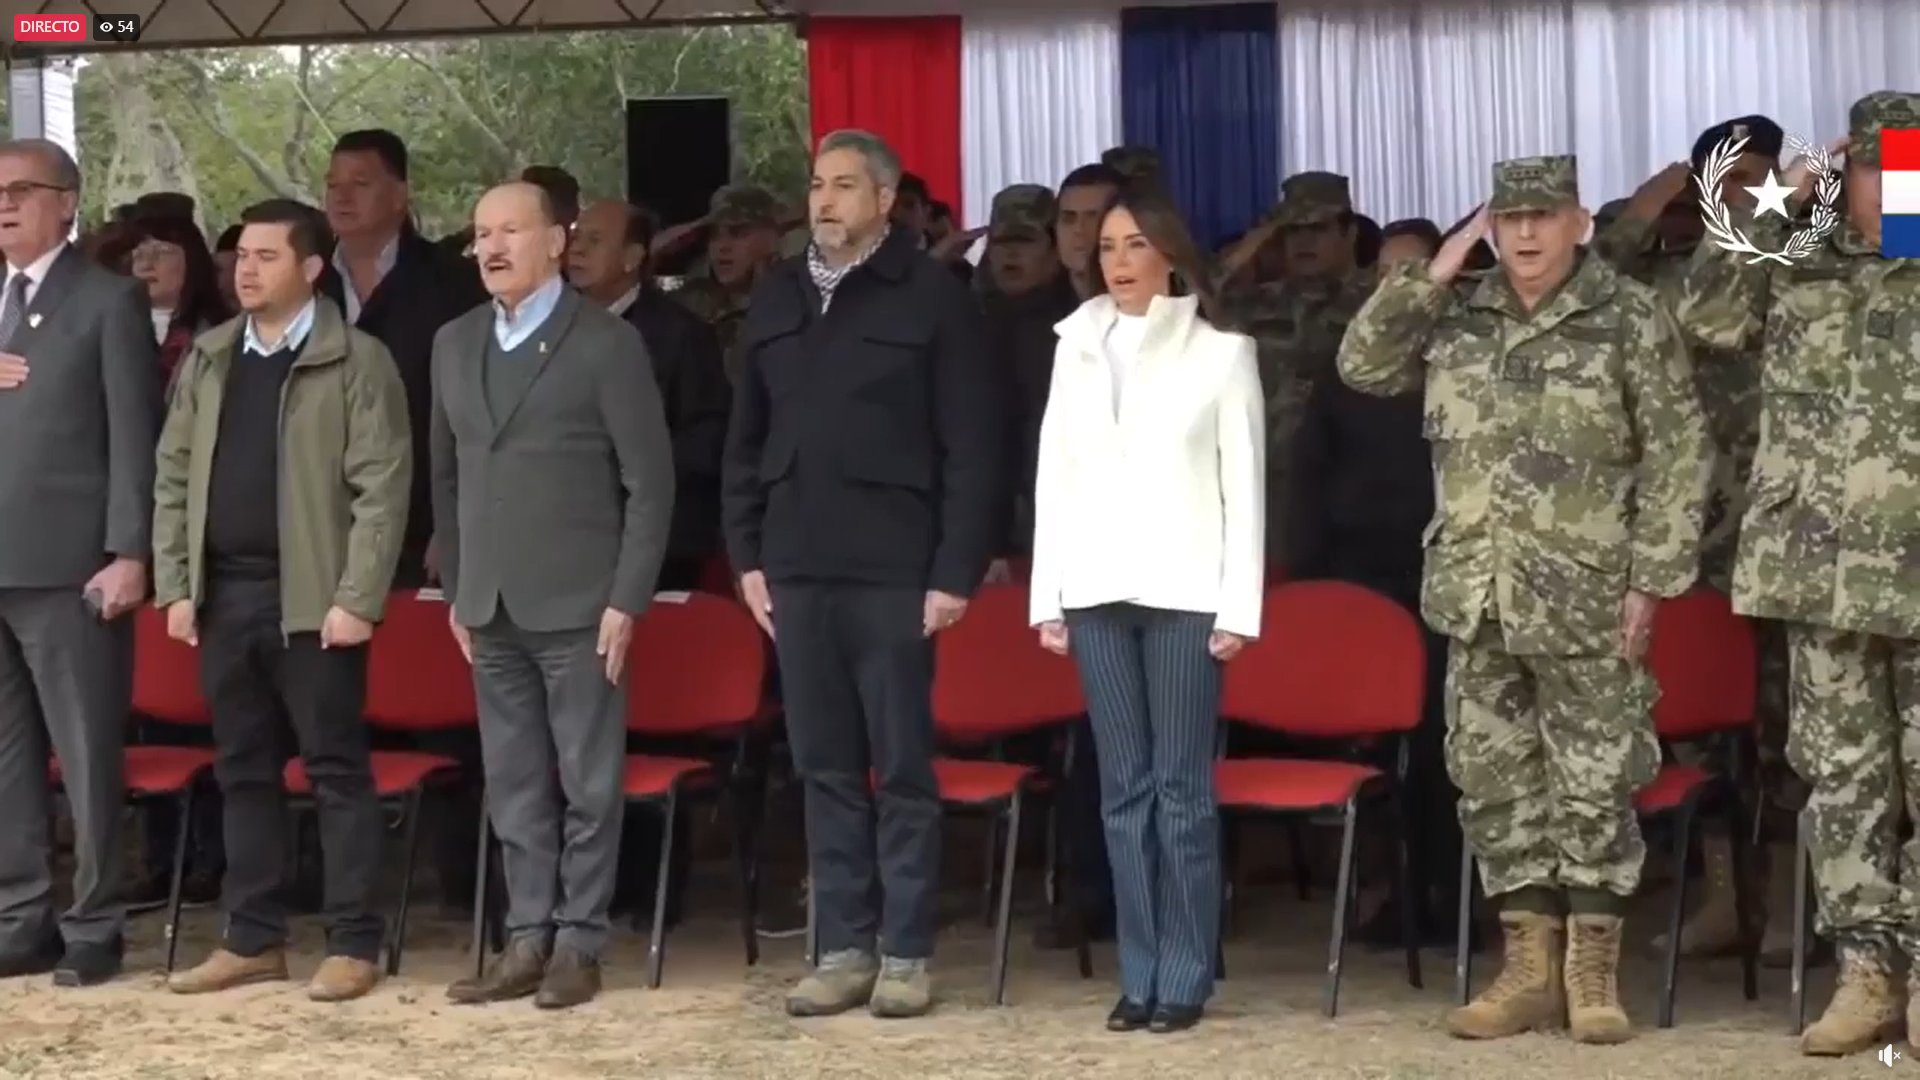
(828,278)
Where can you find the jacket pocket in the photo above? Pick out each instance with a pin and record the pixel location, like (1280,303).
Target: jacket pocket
(1459,398)
(1581,412)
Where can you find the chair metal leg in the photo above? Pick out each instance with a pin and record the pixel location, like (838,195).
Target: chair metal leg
(416,800)
(1403,858)
(1802,853)
(743,858)
(994,825)
(181,839)
(657,941)
(1343,905)
(1462,953)
(1743,848)
(1682,850)
(1003,928)
(481,894)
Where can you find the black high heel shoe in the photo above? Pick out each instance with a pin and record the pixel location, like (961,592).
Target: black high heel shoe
(1129,1015)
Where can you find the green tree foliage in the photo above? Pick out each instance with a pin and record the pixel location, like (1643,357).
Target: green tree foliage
(258,122)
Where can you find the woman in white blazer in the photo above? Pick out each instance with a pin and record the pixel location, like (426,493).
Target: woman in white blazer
(1148,568)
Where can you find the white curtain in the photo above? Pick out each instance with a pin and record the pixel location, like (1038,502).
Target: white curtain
(1416,102)
(1039,97)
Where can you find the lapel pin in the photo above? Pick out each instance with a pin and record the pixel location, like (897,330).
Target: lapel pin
(33,321)
(543,348)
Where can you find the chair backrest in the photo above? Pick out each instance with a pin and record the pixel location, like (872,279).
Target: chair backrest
(716,576)
(697,666)
(417,680)
(992,679)
(1333,660)
(166,673)
(1703,657)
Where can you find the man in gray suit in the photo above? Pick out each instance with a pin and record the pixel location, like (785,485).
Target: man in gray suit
(552,494)
(79,405)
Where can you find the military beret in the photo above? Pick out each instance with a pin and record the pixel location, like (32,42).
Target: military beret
(1535,183)
(1875,113)
(1023,211)
(1763,136)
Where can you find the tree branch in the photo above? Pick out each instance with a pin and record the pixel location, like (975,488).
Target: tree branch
(686,46)
(204,102)
(464,108)
(293,155)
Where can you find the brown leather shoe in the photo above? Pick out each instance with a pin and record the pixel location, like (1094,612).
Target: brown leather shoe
(223,970)
(343,978)
(513,974)
(573,978)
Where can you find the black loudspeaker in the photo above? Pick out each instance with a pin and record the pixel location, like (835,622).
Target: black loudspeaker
(679,152)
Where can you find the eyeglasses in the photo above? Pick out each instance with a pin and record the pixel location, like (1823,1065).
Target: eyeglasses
(156,251)
(21,190)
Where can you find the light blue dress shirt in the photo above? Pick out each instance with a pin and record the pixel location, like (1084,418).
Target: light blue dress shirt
(296,334)
(513,330)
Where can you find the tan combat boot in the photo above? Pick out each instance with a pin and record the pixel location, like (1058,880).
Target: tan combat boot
(223,970)
(1593,980)
(1865,1011)
(1528,994)
(1714,927)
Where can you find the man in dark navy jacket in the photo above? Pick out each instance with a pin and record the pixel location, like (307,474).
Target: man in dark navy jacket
(864,492)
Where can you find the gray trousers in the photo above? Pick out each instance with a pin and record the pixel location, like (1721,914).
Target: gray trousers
(547,712)
(67,680)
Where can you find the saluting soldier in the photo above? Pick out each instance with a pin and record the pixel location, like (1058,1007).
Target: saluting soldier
(745,239)
(1570,457)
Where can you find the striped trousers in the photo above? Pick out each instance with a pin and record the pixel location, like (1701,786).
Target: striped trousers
(1153,694)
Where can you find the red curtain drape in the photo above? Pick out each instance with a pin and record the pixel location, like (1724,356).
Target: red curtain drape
(898,78)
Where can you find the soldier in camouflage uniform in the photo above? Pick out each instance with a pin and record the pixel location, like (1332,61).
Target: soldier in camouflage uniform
(1297,323)
(1728,382)
(1570,457)
(745,239)
(1830,543)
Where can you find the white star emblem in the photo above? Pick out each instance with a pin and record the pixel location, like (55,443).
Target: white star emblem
(1771,197)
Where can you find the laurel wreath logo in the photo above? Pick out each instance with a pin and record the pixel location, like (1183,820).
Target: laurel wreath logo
(1805,241)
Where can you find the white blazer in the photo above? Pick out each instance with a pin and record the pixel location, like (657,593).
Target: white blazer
(1164,504)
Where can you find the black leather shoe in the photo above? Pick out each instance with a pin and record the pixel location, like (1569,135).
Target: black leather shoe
(1168,1019)
(39,960)
(90,965)
(1129,1015)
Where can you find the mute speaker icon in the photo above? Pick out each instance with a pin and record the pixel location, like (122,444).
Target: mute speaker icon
(1888,1055)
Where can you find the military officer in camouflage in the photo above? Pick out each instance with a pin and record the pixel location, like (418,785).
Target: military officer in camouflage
(745,239)
(1641,242)
(1570,458)
(1297,322)
(1830,543)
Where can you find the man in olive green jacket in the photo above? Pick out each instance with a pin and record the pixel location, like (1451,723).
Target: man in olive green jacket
(280,505)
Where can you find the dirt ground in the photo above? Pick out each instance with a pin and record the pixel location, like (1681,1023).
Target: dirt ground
(713,1018)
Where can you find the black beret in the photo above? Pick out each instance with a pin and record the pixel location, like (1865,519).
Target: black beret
(1763,136)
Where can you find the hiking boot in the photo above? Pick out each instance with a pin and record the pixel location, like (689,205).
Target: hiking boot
(343,978)
(223,970)
(1593,980)
(1528,994)
(903,990)
(572,978)
(1714,927)
(1865,1011)
(515,973)
(843,980)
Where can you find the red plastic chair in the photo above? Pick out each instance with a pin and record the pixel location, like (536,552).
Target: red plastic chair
(1702,656)
(695,672)
(166,687)
(417,681)
(1333,661)
(992,680)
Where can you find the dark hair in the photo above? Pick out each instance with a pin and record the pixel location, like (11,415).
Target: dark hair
(229,239)
(379,142)
(939,210)
(912,186)
(306,228)
(163,204)
(563,191)
(1094,175)
(1420,228)
(1160,222)
(1366,240)
(201,303)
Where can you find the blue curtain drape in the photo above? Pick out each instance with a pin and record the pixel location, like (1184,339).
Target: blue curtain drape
(1202,86)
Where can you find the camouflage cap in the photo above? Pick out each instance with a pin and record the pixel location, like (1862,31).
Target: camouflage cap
(1875,113)
(743,204)
(1312,198)
(1133,162)
(1535,183)
(1023,211)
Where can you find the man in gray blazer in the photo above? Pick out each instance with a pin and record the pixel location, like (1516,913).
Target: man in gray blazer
(552,495)
(79,406)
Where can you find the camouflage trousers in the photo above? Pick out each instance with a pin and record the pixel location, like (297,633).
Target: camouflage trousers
(1780,793)
(1856,739)
(1547,752)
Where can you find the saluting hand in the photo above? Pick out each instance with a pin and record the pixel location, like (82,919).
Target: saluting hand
(1452,256)
(616,636)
